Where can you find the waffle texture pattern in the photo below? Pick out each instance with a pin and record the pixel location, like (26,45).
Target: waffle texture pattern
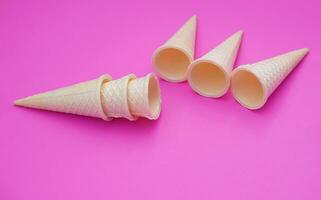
(273,71)
(104,98)
(138,98)
(115,98)
(225,53)
(184,38)
(81,99)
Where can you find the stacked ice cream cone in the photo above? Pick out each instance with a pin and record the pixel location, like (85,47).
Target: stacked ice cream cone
(128,97)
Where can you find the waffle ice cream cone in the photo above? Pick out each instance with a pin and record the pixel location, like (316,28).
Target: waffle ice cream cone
(171,60)
(80,99)
(252,84)
(115,98)
(104,98)
(144,97)
(209,75)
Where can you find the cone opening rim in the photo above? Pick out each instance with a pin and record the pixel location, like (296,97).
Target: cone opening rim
(172,74)
(129,78)
(103,79)
(248,89)
(154,97)
(216,75)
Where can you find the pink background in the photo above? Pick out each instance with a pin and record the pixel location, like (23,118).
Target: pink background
(200,148)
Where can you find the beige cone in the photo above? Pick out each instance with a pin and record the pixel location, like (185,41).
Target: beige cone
(80,99)
(104,98)
(252,84)
(144,97)
(171,60)
(115,98)
(209,75)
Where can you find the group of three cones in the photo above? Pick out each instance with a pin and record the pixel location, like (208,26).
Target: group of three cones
(212,74)
(128,97)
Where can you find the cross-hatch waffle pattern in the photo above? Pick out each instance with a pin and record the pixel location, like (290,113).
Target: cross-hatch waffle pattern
(225,53)
(103,98)
(81,99)
(184,38)
(115,98)
(138,97)
(273,71)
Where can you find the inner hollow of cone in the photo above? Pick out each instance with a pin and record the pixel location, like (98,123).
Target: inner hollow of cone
(247,89)
(208,79)
(172,64)
(154,97)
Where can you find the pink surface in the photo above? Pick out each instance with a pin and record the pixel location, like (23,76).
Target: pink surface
(200,148)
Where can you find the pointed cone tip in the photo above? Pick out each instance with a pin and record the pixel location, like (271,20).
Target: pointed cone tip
(18,102)
(302,51)
(306,50)
(238,34)
(192,19)
(241,32)
(22,102)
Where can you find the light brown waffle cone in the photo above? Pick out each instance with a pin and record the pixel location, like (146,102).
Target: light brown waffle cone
(209,75)
(144,97)
(171,60)
(115,98)
(104,98)
(253,84)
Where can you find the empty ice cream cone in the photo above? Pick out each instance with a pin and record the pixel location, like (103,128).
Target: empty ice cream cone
(252,84)
(209,75)
(104,98)
(171,60)
(144,97)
